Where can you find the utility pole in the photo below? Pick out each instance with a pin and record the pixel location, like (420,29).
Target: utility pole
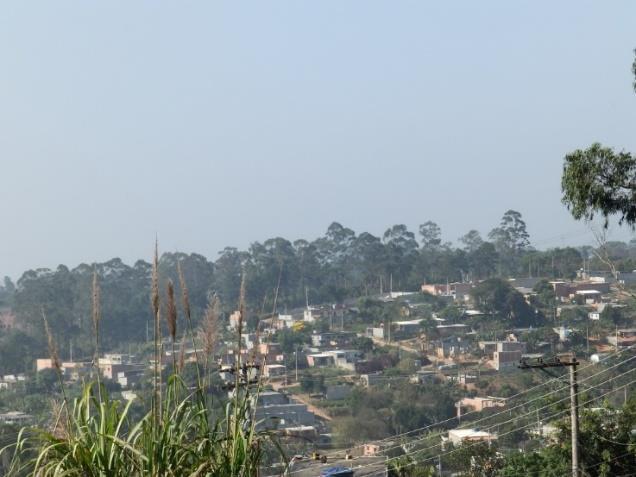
(616,337)
(574,398)
(296,353)
(574,416)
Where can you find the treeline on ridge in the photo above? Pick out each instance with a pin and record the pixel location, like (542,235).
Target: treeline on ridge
(339,265)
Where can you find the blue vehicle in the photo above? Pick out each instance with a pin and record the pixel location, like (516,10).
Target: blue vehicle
(337,472)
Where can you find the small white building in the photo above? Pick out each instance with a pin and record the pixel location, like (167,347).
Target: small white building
(375,332)
(462,436)
(15,417)
(309,316)
(589,296)
(274,370)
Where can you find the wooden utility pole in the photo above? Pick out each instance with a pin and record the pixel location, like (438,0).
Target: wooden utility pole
(574,398)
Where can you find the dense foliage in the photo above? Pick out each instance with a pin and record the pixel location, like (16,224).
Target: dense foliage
(330,269)
(599,180)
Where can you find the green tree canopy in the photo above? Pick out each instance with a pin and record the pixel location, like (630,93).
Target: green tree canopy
(600,181)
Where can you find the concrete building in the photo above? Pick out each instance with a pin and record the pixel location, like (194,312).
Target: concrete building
(451,347)
(345,358)
(268,398)
(408,327)
(9,381)
(506,359)
(622,337)
(375,332)
(310,315)
(332,339)
(589,297)
(368,380)
(15,417)
(457,291)
(71,370)
(250,340)
(338,392)
(424,376)
(480,403)
(465,436)
(511,346)
(320,360)
(274,371)
(115,358)
(453,329)
(276,411)
(111,370)
(131,377)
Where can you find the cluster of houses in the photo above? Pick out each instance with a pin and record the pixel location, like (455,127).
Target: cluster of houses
(118,367)
(8,381)
(310,314)
(592,290)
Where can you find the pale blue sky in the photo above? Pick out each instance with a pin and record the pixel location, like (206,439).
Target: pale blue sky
(221,123)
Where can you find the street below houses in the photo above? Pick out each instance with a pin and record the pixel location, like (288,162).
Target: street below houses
(304,399)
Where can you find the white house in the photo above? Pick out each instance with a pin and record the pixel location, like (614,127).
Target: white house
(460,436)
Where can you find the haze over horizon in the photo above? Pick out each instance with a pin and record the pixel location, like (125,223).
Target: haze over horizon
(221,124)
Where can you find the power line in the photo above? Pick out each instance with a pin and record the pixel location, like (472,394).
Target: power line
(515,418)
(501,435)
(606,358)
(515,396)
(533,412)
(507,411)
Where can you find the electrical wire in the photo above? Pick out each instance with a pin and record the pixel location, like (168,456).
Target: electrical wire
(500,435)
(517,417)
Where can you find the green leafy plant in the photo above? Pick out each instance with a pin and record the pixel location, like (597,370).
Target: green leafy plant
(94,435)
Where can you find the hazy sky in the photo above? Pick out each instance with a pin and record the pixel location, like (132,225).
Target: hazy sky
(222,123)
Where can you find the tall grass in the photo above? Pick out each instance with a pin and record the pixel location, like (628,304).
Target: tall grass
(95,435)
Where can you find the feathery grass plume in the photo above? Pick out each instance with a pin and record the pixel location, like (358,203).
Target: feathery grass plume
(154,300)
(209,334)
(154,294)
(239,331)
(241,306)
(210,331)
(171,314)
(182,350)
(53,355)
(185,299)
(185,296)
(96,306)
(100,437)
(59,427)
(171,320)
(96,322)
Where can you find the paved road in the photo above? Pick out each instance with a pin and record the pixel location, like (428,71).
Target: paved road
(304,399)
